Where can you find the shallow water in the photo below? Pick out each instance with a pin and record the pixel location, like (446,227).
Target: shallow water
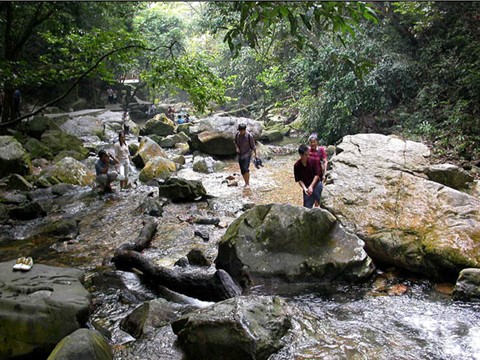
(334,322)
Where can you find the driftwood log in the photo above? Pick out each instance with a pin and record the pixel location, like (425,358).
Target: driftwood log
(201,284)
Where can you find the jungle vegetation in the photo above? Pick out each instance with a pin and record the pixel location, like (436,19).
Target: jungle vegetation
(409,68)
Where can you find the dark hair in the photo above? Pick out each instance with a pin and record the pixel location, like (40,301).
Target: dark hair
(120,134)
(242,126)
(101,153)
(302,149)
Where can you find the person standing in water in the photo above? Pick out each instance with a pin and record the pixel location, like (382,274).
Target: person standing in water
(245,144)
(122,154)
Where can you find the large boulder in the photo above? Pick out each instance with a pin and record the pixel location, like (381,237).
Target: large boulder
(181,190)
(39,124)
(215,135)
(39,308)
(147,150)
(378,191)
(206,165)
(13,157)
(83,124)
(71,171)
(244,327)
(58,141)
(157,168)
(82,344)
(159,125)
(170,140)
(292,243)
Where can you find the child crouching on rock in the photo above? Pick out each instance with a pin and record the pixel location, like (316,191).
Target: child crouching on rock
(102,168)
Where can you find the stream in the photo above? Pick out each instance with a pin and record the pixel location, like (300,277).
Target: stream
(338,322)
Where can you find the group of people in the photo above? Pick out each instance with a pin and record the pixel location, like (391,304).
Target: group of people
(120,163)
(309,171)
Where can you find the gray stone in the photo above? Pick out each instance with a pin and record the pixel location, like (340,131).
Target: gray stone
(170,140)
(206,165)
(159,125)
(39,308)
(244,327)
(70,171)
(181,190)
(13,157)
(467,287)
(82,344)
(291,243)
(379,191)
(197,258)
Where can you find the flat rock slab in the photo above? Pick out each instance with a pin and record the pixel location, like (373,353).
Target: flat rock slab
(39,307)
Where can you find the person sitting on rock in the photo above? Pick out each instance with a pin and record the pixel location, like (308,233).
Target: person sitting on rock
(105,176)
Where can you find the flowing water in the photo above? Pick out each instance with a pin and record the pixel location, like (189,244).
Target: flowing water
(338,322)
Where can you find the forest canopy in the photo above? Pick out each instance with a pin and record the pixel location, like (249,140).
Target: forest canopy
(410,68)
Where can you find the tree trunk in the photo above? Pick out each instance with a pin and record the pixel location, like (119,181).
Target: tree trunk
(201,284)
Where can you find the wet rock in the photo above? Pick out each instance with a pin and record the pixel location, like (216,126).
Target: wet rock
(39,308)
(159,125)
(379,191)
(82,344)
(70,171)
(39,194)
(63,189)
(182,148)
(203,234)
(197,258)
(27,211)
(13,157)
(215,135)
(243,327)
(179,159)
(38,149)
(449,175)
(13,198)
(151,315)
(467,287)
(291,243)
(182,262)
(18,182)
(83,124)
(62,229)
(39,124)
(157,168)
(152,206)
(181,190)
(147,150)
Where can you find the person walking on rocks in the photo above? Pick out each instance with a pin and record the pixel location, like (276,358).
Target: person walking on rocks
(104,175)
(110,95)
(318,153)
(245,144)
(308,172)
(122,154)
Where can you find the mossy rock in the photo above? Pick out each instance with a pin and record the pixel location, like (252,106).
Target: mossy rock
(37,149)
(58,141)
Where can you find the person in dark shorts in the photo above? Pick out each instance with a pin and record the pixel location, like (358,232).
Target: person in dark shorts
(308,172)
(245,144)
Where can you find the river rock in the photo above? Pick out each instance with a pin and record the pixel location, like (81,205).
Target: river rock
(38,149)
(270,136)
(26,211)
(39,124)
(291,243)
(151,315)
(13,157)
(18,182)
(467,287)
(70,171)
(58,141)
(147,150)
(159,125)
(206,165)
(170,140)
(244,327)
(449,175)
(181,190)
(83,125)
(157,168)
(215,135)
(196,257)
(39,308)
(378,191)
(82,344)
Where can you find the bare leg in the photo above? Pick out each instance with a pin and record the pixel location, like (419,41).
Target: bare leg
(246,177)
